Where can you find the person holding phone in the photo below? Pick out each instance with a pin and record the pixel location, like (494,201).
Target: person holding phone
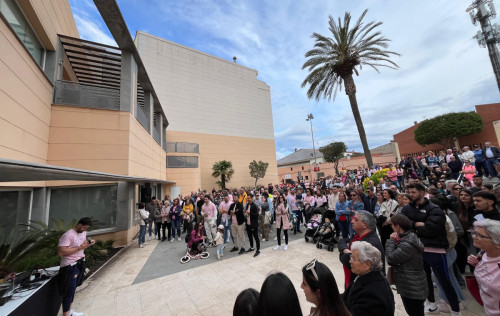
(71,249)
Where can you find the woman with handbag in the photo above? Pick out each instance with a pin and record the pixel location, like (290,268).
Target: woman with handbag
(175,216)
(404,253)
(144,215)
(282,222)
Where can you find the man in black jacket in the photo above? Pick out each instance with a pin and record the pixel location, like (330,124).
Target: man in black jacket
(369,200)
(491,155)
(252,213)
(485,203)
(428,222)
(365,225)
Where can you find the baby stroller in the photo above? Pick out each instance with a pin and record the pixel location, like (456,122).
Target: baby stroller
(314,224)
(326,235)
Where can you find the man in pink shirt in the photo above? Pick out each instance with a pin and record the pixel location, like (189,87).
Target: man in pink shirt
(70,248)
(209,213)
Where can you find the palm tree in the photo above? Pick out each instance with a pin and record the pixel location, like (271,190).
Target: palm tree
(333,61)
(224,170)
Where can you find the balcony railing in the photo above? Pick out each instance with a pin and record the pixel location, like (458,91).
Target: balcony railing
(183,148)
(86,95)
(143,118)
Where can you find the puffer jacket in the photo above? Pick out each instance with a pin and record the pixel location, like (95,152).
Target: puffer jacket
(407,263)
(433,233)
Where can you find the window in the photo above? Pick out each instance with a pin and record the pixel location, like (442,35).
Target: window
(98,202)
(307,177)
(182,162)
(23,29)
(14,211)
(291,169)
(302,167)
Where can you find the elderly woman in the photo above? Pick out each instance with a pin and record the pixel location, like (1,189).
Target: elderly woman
(369,293)
(486,236)
(404,253)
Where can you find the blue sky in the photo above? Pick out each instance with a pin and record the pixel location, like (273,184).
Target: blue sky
(442,69)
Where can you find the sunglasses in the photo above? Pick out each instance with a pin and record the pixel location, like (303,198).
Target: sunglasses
(310,267)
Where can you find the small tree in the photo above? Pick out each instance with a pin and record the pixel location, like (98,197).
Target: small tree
(333,153)
(258,170)
(224,170)
(445,129)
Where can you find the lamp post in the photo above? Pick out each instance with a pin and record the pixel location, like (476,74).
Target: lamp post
(309,118)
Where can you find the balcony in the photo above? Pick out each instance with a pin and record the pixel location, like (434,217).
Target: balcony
(86,95)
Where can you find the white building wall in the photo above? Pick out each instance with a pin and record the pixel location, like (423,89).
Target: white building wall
(204,94)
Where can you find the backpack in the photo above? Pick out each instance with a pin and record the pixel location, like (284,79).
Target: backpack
(451,234)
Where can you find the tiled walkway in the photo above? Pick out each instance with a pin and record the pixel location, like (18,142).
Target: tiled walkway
(140,282)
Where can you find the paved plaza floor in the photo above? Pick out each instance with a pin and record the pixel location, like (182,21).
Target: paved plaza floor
(151,280)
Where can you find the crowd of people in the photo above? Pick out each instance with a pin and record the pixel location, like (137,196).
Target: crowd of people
(422,226)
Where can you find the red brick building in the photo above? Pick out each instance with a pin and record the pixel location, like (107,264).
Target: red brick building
(490,113)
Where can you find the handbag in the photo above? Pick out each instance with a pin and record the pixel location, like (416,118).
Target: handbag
(473,288)
(390,275)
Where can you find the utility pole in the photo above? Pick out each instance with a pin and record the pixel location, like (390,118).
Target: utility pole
(489,36)
(309,118)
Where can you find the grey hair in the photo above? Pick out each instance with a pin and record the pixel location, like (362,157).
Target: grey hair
(368,218)
(368,253)
(492,227)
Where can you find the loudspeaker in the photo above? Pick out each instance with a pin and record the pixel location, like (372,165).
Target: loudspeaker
(146,195)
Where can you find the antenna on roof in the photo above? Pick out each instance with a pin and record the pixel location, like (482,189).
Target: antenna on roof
(234,59)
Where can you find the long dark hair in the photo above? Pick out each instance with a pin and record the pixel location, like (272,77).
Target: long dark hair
(277,203)
(278,297)
(463,211)
(246,303)
(391,194)
(331,302)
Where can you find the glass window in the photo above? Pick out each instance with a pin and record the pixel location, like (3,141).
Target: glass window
(98,202)
(14,210)
(182,162)
(21,26)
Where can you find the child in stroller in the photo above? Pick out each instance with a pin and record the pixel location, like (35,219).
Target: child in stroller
(325,234)
(314,224)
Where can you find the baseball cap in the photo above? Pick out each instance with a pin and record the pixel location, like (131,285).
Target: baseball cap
(220,226)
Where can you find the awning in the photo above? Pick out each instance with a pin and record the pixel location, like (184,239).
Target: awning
(18,171)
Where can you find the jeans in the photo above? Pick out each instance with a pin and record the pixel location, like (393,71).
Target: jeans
(150,225)
(227,231)
(437,262)
(142,234)
(220,249)
(253,232)
(451,256)
(176,225)
(396,183)
(74,275)
(344,228)
(489,167)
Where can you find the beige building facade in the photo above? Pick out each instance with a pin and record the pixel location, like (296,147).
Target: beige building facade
(217,106)
(84,133)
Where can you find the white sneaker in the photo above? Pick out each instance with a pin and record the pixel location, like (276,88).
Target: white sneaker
(73,313)
(283,238)
(149,237)
(430,308)
(277,247)
(218,257)
(179,239)
(393,287)
(172,240)
(141,246)
(275,238)
(286,248)
(263,239)
(146,243)
(444,307)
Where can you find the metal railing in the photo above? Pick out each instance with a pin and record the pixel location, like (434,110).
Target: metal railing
(143,118)
(86,95)
(182,148)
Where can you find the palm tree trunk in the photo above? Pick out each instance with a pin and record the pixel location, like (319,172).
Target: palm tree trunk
(350,90)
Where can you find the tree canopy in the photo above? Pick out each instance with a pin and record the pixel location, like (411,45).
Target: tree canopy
(445,129)
(224,170)
(333,153)
(258,170)
(333,61)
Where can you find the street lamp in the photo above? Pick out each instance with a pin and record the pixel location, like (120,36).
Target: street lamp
(309,118)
